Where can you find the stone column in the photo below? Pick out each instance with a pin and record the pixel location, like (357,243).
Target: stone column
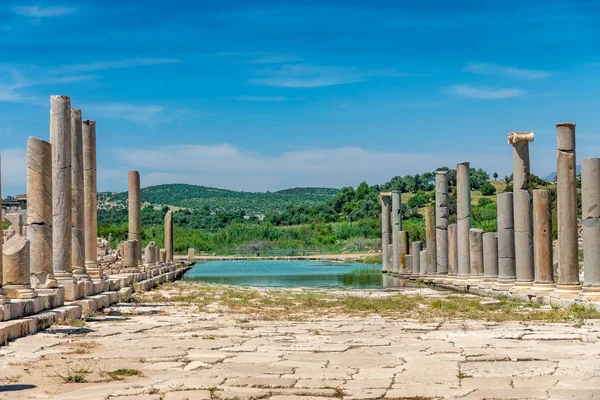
(404,251)
(506,243)
(590,202)
(475,256)
(523,223)
(431,246)
(566,190)
(396,228)
(16,277)
(385,230)
(156,254)
(149,254)
(90,200)
(135,213)
(416,259)
(441,225)
(77,202)
(452,255)
(39,213)
(191,254)
(130,261)
(422,264)
(60,137)
(544,270)
(169,236)
(163,256)
(490,259)
(463,211)
(3,298)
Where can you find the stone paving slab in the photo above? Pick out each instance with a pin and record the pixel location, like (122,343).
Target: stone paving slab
(185,354)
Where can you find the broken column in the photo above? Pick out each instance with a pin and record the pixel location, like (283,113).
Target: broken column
(506,243)
(16,279)
(542,238)
(396,228)
(191,254)
(16,223)
(416,259)
(90,200)
(404,251)
(169,236)
(523,222)
(60,137)
(156,254)
(590,202)
(39,213)
(150,254)
(475,256)
(422,264)
(430,242)
(3,298)
(135,214)
(463,211)
(163,256)
(441,225)
(130,261)
(385,230)
(490,259)
(566,191)
(452,255)
(77,202)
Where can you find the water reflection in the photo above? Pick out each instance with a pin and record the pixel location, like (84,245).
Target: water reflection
(277,273)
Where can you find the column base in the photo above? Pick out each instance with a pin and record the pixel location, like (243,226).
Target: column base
(43,280)
(93,270)
(82,277)
(474,281)
(439,279)
(521,287)
(73,290)
(449,279)
(541,289)
(19,292)
(589,293)
(3,299)
(488,283)
(503,285)
(566,291)
(461,282)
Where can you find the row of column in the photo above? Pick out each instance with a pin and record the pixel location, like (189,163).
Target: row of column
(517,258)
(59,245)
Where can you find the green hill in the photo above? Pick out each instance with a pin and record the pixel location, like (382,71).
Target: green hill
(201,197)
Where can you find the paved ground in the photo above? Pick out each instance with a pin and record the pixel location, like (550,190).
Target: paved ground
(185,354)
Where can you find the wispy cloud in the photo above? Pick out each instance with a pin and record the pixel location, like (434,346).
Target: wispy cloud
(226,166)
(274,59)
(43,12)
(473,92)
(266,99)
(148,115)
(511,72)
(116,64)
(307,76)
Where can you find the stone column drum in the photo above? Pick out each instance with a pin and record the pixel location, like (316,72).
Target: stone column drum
(506,243)
(149,254)
(16,278)
(590,201)
(568,285)
(385,230)
(77,201)
(130,261)
(523,223)
(156,254)
(431,246)
(60,137)
(135,213)
(169,236)
(163,256)
(441,225)
(542,238)
(490,260)
(191,254)
(90,200)
(416,259)
(404,251)
(396,228)
(39,213)
(452,255)
(475,256)
(422,264)
(463,211)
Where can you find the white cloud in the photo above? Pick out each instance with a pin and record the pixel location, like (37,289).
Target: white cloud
(116,64)
(43,12)
(145,115)
(267,99)
(307,76)
(473,92)
(229,167)
(511,72)
(14,172)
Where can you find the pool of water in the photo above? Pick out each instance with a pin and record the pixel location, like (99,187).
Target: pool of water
(278,273)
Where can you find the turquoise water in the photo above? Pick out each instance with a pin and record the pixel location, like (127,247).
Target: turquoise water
(278,273)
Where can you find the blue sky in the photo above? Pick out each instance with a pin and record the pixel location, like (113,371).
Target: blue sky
(265,95)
